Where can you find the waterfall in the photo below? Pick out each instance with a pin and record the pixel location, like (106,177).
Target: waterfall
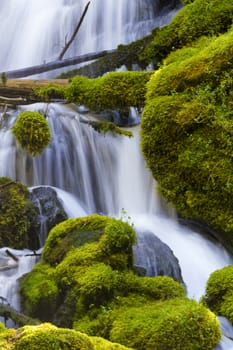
(38,29)
(106,174)
(10,272)
(95,173)
(92,173)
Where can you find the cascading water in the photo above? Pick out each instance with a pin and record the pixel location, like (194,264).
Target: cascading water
(91,172)
(11,270)
(38,29)
(107,174)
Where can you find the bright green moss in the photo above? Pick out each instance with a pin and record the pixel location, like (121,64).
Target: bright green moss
(103,344)
(17,215)
(51,91)
(187,134)
(201,17)
(32,131)
(49,337)
(39,293)
(114,90)
(219,296)
(175,324)
(72,233)
(6,336)
(104,127)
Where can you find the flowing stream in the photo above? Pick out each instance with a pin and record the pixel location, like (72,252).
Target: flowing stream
(92,173)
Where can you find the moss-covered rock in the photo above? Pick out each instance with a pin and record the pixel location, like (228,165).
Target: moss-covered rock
(187,133)
(198,18)
(46,337)
(17,215)
(49,337)
(175,324)
(219,292)
(113,90)
(32,131)
(72,233)
(39,292)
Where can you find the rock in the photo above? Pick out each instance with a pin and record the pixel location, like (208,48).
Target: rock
(151,254)
(49,209)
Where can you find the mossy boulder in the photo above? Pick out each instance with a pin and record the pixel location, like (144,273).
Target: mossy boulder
(49,337)
(17,215)
(32,131)
(187,133)
(113,90)
(174,324)
(46,336)
(219,292)
(39,292)
(85,280)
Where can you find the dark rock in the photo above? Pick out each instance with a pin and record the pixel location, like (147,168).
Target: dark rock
(151,254)
(49,211)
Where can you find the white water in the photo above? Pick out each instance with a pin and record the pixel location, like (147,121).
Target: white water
(92,173)
(105,174)
(35,31)
(9,277)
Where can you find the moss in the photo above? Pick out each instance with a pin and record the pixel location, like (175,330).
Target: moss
(46,337)
(39,293)
(187,134)
(104,127)
(32,131)
(218,294)
(103,344)
(17,215)
(113,90)
(6,336)
(174,324)
(201,17)
(51,91)
(72,233)
(127,55)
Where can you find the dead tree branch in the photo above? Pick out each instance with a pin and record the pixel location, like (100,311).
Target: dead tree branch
(74,33)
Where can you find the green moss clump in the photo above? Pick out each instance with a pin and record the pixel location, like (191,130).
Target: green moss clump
(198,18)
(89,284)
(17,215)
(103,344)
(46,337)
(32,131)
(174,324)
(39,292)
(72,233)
(187,133)
(51,91)
(219,295)
(6,336)
(113,90)
(104,127)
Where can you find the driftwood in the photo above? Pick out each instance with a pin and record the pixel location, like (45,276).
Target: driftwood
(74,33)
(46,67)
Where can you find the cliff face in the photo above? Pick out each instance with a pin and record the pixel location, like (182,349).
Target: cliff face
(187,122)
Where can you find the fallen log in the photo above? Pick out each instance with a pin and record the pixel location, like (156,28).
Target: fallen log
(8,312)
(46,67)
(20,92)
